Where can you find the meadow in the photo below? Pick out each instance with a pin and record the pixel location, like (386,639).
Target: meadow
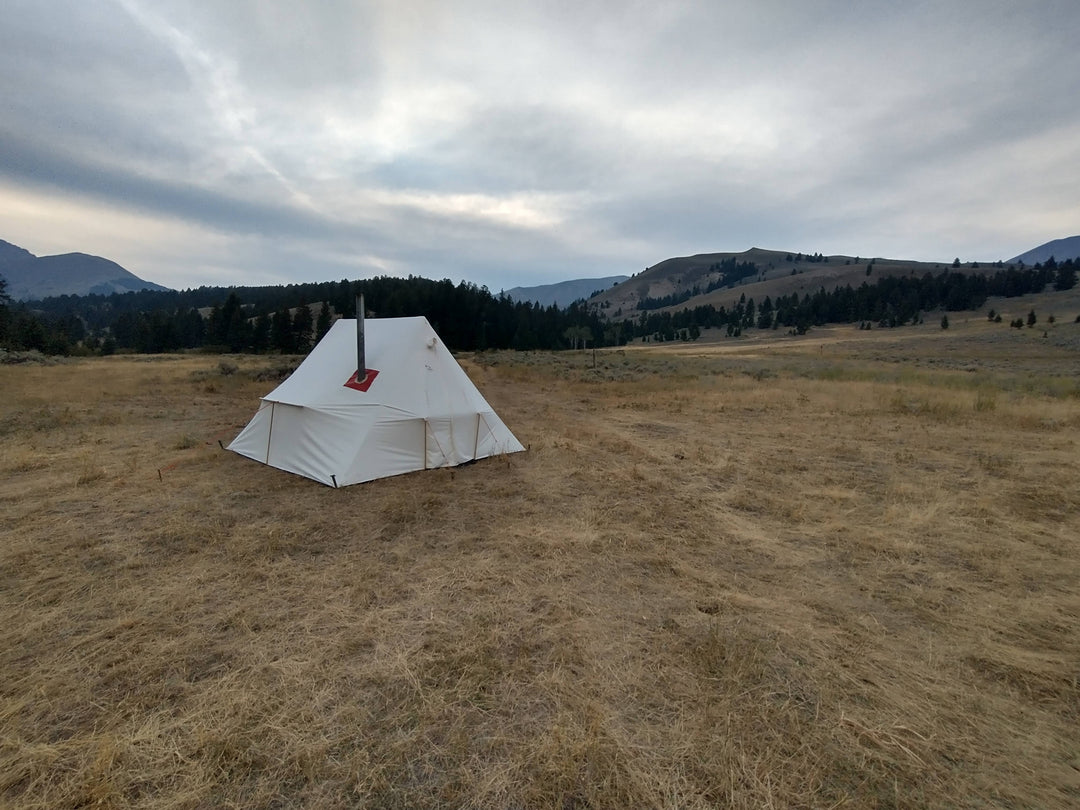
(841,570)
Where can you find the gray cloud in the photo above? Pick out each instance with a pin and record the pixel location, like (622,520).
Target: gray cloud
(524,143)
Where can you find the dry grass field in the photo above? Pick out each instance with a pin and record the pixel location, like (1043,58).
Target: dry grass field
(834,571)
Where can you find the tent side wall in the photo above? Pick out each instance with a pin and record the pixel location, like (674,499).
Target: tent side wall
(254,440)
(298,442)
(494,438)
(293,438)
(451,440)
(392,445)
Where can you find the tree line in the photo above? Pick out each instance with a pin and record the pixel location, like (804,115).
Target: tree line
(471,318)
(280,318)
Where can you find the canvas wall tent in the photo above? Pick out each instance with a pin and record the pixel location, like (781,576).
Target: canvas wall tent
(419,410)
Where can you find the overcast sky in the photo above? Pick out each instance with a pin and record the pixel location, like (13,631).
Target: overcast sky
(509,143)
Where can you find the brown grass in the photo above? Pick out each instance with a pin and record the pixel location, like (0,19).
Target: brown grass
(836,571)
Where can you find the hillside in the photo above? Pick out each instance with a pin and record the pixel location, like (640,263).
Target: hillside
(1059,249)
(563,293)
(31,277)
(757,273)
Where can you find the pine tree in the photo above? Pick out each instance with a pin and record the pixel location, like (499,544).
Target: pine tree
(301,328)
(322,324)
(4,300)
(236,331)
(281,335)
(1066,276)
(260,334)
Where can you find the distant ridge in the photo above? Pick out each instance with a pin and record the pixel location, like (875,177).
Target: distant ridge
(720,279)
(1060,249)
(563,293)
(31,277)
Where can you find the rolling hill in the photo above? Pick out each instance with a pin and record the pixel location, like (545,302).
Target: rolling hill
(721,278)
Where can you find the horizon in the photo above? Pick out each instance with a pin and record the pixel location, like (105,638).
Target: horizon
(559,281)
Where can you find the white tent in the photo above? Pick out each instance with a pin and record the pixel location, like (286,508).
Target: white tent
(416,409)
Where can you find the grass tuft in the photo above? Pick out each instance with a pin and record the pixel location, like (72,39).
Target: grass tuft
(185,442)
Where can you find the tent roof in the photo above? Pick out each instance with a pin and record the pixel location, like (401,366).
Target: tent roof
(417,373)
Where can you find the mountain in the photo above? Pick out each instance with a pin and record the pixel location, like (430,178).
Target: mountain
(13,253)
(565,292)
(32,277)
(1060,249)
(720,279)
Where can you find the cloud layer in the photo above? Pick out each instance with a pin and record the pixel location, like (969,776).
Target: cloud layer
(507,144)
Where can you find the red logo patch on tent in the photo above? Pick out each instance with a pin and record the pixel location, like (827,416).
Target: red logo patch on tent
(364,384)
